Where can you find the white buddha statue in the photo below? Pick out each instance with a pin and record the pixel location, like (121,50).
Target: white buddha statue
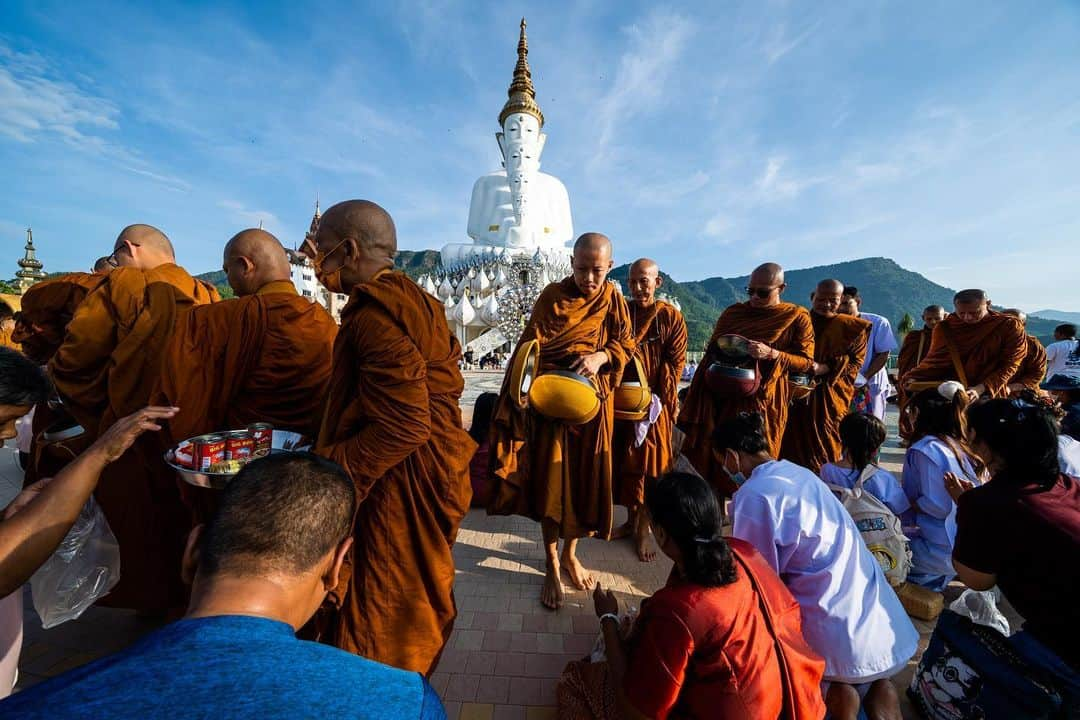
(518,208)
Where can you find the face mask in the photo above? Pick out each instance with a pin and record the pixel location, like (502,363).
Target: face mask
(331,281)
(736,477)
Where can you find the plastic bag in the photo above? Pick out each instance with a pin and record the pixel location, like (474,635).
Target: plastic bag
(83,568)
(981,607)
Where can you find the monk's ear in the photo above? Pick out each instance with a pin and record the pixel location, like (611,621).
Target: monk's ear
(659,281)
(190,563)
(342,552)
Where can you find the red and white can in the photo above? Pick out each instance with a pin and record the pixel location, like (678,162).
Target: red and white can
(239,445)
(263,434)
(208,450)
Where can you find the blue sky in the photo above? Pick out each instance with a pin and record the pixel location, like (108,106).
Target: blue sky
(711,136)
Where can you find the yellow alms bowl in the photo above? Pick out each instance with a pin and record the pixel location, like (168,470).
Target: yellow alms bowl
(565,396)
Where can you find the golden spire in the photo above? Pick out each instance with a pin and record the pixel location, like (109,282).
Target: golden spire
(522,94)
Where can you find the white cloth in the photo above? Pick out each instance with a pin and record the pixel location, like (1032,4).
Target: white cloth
(1069,456)
(850,615)
(24,429)
(641,428)
(881,340)
(1058,361)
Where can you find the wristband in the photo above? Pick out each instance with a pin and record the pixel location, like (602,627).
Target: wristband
(609,616)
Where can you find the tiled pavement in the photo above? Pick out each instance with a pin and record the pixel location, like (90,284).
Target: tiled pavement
(506,653)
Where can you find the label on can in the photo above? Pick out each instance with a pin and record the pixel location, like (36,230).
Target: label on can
(239,446)
(208,450)
(263,434)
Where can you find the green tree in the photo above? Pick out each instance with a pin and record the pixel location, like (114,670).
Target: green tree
(225,291)
(907,324)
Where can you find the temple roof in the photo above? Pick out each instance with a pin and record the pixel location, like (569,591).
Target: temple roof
(522,95)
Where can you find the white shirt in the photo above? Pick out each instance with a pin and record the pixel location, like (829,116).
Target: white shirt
(881,340)
(1058,361)
(1069,456)
(850,615)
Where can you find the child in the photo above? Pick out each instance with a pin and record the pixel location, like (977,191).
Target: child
(861,436)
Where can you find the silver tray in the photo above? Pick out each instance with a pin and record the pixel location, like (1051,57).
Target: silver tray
(281,441)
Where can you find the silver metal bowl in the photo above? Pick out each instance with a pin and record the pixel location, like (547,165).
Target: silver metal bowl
(282,441)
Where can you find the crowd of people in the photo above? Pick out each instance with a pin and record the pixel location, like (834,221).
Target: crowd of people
(337,564)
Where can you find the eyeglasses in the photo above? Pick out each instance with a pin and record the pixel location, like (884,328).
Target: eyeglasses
(111,260)
(761,292)
(320,258)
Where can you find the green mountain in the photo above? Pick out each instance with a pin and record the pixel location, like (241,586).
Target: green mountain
(1060,316)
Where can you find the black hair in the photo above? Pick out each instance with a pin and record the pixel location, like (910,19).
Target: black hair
(22,381)
(688,510)
(280,514)
(745,432)
(851,291)
(946,420)
(1068,330)
(862,435)
(483,409)
(1022,435)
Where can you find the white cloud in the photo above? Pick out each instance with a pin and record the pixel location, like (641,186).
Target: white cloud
(717,226)
(248,217)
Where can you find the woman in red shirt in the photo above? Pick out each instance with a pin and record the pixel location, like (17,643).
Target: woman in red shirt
(721,640)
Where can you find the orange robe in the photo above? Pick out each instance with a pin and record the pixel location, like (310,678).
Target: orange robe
(1033,369)
(785,327)
(260,358)
(660,338)
(6,339)
(106,369)
(47,308)
(812,436)
(914,348)
(393,422)
(547,470)
(990,352)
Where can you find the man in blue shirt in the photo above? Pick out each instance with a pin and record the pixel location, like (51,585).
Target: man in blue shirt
(260,569)
(872,385)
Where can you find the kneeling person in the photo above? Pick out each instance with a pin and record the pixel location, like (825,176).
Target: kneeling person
(261,568)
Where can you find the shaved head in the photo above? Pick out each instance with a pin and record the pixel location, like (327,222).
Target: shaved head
(1016,313)
(644,279)
(102,266)
(826,297)
(932,315)
(971,296)
(253,258)
(591,263)
(766,284)
(355,241)
(143,247)
(971,305)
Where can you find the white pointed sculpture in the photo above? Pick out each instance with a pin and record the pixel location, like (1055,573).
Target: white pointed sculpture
(463,312)
(445,288)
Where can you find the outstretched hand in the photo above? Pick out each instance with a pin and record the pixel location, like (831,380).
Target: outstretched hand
(956,486)
(604,601)
(115,441)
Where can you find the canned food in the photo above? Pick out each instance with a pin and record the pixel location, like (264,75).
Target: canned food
(263,434)
(208,450)
(239,445)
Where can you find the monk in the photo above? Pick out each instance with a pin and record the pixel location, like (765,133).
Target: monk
(1033,369)
(392,421)
(781,341)
(106,368)
(47,308)
(263,357)
(555,474)
(812,436)
(912,350)
(976,346)
(660,340)
(7,327)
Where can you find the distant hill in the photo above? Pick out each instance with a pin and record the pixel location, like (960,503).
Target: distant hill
(1060,316)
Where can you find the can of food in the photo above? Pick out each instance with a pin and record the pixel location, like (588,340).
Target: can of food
(239,445)
(263,434)
(207,450)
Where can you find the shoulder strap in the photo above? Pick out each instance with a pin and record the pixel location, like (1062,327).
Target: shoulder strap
(954,354)
(867,473)
(922,346)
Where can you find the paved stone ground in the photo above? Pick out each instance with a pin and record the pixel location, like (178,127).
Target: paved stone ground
(506,653)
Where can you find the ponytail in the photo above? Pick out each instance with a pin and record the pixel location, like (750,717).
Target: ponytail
(687,509)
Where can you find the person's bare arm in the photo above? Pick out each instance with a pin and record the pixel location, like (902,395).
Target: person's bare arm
(41,515)
(876,363)
(973,578)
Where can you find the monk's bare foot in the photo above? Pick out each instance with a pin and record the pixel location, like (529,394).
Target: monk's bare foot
(552,593)
(623,531)
(645,552)
(581,578)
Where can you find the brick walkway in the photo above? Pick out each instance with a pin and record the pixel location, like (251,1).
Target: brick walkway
(506,652)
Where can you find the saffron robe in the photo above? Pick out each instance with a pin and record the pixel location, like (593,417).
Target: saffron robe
(545,469)
(990,352)
(914,348)
(393,422)
(106,369)
(7,341)
(660,340)
(47,308)
(1033,368)
(784,327)
(812,435)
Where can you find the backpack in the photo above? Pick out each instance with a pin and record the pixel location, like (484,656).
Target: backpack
(881,530)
